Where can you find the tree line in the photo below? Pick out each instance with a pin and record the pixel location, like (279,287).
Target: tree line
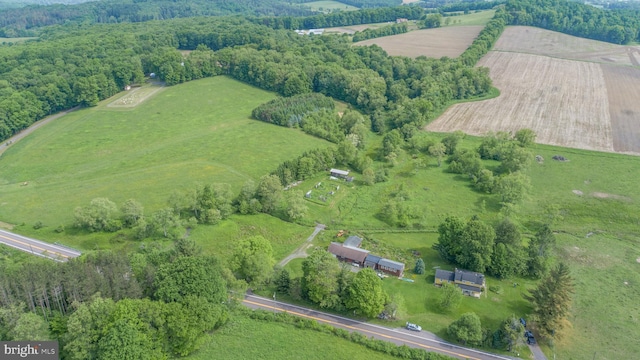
(573,18)
(388,30)
(150,304)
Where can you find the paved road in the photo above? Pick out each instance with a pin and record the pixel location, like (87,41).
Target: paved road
(301,251)
(421,340)
(37,247)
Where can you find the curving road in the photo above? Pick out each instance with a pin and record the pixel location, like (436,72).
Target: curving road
(37,247)
(399,336)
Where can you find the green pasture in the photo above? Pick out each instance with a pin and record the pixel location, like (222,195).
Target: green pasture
(328,6)
(220,239)
(198,132)
(245,338)
(476,18)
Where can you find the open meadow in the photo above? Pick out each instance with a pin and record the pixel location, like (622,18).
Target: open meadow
(450,41)
(329,6)
(245,338)
(198,132)
(550,84)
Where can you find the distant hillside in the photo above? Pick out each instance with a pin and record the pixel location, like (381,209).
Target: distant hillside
(19,22)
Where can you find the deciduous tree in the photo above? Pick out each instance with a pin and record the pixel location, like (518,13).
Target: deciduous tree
(467,329)
(365,294)
(253,260)
(450,296)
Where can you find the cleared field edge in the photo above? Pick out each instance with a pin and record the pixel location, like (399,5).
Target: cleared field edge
(536,41)
(565,102)
(447,41)
(623,89)
(136,96)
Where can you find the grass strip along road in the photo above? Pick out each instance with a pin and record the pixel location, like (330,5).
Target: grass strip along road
(422,340)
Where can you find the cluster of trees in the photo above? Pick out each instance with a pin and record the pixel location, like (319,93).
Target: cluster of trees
(393,29)
(508,180)
(204,204)
(574,18)
(151,304)
(477,246)
(289,111)
(332,285)
(468,330)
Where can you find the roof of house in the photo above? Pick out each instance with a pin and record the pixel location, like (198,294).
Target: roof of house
(444,275)
(468,287)
(372,258)
(339,172)
(347,252)
(353,241)
(472,277)
(391,264)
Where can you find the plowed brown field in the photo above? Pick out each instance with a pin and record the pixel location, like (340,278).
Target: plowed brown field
(593,103)
(448,41)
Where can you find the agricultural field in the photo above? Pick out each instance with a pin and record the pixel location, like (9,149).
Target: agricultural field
(474,18)
(198,132)
(549,84)
(531,40)
(448,41)
(329,6)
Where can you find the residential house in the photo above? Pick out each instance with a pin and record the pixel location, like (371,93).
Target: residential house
(401,20)
(471,283)
(348,254)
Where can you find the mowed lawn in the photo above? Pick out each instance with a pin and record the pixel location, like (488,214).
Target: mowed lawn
(198,132)
(244,338)
(476,18)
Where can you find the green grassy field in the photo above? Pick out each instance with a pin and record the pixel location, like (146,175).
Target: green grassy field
(15,40)
(328,6)
(198,132)
(245,338)
(477,18)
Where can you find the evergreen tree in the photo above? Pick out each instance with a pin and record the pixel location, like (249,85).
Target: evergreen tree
(419,269)
(551,300)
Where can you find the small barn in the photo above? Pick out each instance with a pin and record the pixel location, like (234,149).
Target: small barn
(353,241)
(348,254)
(391,267)
(371,261)
(340,174)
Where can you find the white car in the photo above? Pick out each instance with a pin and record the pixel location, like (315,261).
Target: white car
(413,327)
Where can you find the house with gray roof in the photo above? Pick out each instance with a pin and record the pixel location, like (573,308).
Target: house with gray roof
(391,267)
(471,283)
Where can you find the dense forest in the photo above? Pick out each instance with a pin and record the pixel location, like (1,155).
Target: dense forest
(615,26)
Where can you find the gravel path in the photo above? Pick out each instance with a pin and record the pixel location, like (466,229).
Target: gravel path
(301,251)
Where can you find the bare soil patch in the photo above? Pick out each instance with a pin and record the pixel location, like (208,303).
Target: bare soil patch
(531,40)
(638,260)
(623,92)
(565,102)
(436,43)
(577,192)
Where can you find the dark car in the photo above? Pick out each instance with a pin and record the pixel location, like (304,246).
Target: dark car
(528,334)
(531,340)
(523,322)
